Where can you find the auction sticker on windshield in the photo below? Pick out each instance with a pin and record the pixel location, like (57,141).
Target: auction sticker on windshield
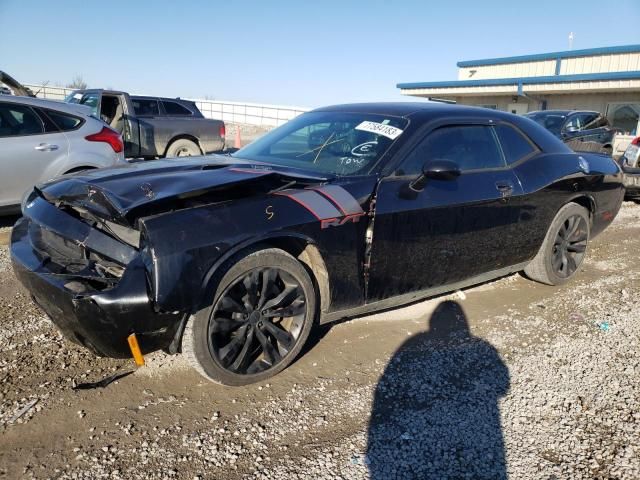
(380,129)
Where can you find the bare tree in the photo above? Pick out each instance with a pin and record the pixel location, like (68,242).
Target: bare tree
(77,83)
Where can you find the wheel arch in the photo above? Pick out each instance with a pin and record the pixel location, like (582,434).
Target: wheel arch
(299,246)
(183,136)
(587,202)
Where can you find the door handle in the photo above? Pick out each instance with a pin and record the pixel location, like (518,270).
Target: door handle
(505,188)
(46,147)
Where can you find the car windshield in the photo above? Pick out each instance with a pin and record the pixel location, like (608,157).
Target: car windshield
(551,121)
(334,143)
(73,97)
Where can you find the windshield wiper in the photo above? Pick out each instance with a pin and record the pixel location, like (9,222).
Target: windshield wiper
(283,187)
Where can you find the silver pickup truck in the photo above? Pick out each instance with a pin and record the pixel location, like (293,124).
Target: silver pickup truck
(154,127)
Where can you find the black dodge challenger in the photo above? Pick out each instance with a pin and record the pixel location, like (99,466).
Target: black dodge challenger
(344,210)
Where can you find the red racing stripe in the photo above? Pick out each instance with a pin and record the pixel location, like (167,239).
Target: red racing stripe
(315,203)
(341,198)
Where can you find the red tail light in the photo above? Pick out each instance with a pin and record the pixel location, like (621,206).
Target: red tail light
(636,141)
(109,136)
(222,131)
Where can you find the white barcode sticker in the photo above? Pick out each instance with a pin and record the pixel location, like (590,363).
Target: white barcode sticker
(380,129)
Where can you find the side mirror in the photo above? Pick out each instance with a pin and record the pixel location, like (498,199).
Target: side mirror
(432,170)
(441,170)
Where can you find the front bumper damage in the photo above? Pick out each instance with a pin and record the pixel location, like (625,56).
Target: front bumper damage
(59,259)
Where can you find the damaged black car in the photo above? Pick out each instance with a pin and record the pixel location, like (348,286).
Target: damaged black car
(232,259)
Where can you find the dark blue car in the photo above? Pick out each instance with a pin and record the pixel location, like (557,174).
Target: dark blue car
(582,131)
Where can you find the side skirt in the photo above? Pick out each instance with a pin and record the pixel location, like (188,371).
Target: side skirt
(407,298)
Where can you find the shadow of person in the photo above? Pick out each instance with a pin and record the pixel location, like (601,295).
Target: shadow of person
(435,410)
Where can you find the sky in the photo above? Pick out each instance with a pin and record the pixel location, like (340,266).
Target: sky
(299,53)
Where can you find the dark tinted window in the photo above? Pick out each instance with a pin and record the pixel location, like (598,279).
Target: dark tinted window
(16,120)
(594,120)
(580,121)
(551,121)
(64,121)
(49,126)
(472,147)
(514,145)
(174,108)
(142,106)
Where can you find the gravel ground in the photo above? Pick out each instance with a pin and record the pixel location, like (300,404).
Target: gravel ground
(510,379)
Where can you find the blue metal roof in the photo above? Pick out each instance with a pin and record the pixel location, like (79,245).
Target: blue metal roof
(551,56)
(581,77)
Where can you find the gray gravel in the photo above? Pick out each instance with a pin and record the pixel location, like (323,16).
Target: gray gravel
(509,380)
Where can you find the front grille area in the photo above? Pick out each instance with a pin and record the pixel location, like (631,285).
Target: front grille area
(50,245)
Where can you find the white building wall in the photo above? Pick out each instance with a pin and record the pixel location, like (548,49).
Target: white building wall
(598,102)
(624,62)
(508,70)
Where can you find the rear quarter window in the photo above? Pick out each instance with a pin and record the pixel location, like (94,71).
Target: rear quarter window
(145,107)
(64,121)
(175,109)
(515,145)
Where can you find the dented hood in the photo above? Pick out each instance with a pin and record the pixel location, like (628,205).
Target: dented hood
(123,194)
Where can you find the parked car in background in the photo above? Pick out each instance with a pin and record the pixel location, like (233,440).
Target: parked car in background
(582,131)
(630,164)
(154,127)
(42,139)
(5,91)
(344,210)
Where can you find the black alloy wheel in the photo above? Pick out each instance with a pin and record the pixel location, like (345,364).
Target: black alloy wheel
(570,246)
(257,320)
(263,306)
(564,246)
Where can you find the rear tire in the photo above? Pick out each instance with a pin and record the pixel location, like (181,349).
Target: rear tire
(564,247)
(183,148)
(247,334)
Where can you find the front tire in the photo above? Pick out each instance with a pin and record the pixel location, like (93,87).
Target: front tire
(564,247)
(261,311)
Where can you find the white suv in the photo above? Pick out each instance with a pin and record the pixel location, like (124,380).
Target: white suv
(42,139)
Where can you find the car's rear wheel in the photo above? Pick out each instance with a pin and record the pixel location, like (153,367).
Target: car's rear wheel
(564,247)
(259,318)
(183,148)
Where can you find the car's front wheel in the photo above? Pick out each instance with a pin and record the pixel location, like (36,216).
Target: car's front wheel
(564,247)
(259,318)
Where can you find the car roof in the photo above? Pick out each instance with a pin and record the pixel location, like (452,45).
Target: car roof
(398,109)
(427,111)
(561,112)
(148,97)
(408,109)
(61,106)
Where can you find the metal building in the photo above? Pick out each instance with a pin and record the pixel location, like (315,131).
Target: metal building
(602,79)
